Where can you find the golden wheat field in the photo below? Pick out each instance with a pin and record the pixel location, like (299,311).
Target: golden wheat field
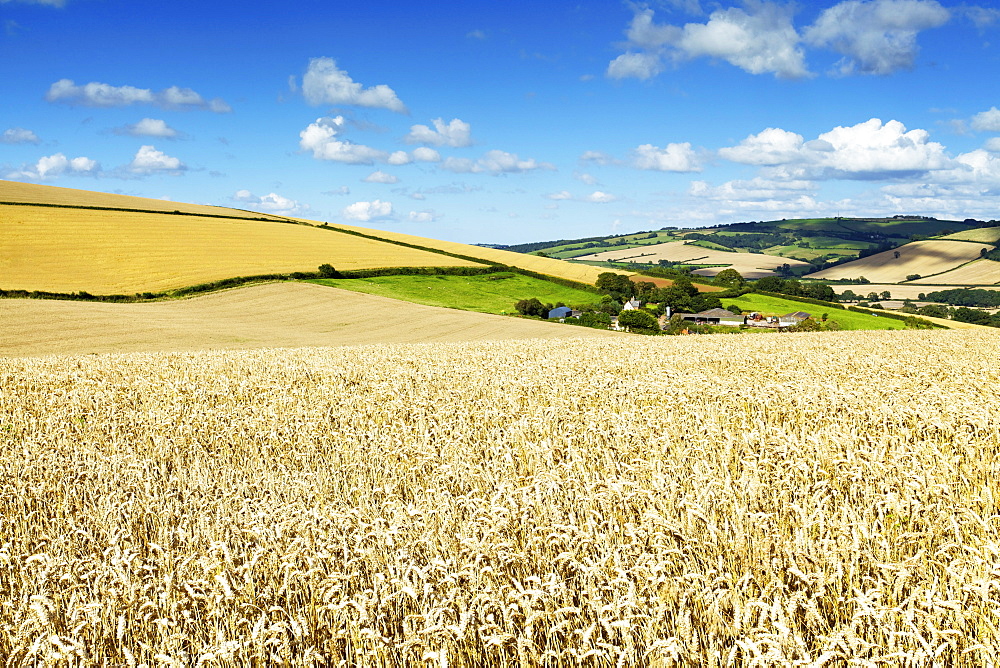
(786,500)
(27,193)
(123,252)
(979,272)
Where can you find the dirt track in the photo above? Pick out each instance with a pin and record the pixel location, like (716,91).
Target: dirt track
(272,315)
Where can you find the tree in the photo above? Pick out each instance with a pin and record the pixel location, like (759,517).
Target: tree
(638,319)
(327,271)
(531,307)
(886,294)
(849,296)
(730,278)
(913,277)
(895,255)
(618,286)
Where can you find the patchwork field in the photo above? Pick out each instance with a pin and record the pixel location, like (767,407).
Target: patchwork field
(272,315)
(750,265)
(778,500)
(927,258)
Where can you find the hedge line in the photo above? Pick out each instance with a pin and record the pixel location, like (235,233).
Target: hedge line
(807,300)
(898,316)
(272,219)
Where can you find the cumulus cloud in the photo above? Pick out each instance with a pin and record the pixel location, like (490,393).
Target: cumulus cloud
(869,150)
(426,216)
(378,176)
(148,127)
(875,36)
(325,83)
(18,136)
(495,162)
(993,145)
(148,160)
(322,138)
(52,166)
(987,121)
(597,157)
(96,94)
(455,133)
(562,194)
(759,39)
(772,146)
(270,203)
(366,211)
(424,154)
(599,197)
(672,158)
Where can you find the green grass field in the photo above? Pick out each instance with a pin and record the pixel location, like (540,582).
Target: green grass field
(777,306)
(489,293)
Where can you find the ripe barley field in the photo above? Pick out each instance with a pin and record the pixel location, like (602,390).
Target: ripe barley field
(787,500)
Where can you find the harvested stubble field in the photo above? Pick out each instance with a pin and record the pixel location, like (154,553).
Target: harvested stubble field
(260,316)
(827,500)
(926,258)
(750,265)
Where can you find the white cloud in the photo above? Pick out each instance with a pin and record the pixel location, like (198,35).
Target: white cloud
(366,211)
(148,127)
(583,177)
(772,146)
(320,137)
(875,36)
(754,190)
(597,157)
(399,158)
(148,160)
(869,150)
(759,39)
(562,194)
(18,136)
(599,197)
(425,216)
(270,203)
(456,133)
(637,65)
(96,94)
(325,83)
(378,176)
(52,166)
(673,158)
(424,154)
(342,190)
(495,162)
(987,121)
(992,144)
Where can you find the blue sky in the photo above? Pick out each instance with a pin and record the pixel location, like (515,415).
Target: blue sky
(508,122)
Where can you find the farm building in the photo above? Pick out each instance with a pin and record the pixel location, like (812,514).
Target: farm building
(563,312)
(631,305)
(715,316)
(794,318)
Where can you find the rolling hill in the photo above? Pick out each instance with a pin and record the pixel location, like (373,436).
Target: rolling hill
(932,260)
(65,240)
(750,265)
(261,316)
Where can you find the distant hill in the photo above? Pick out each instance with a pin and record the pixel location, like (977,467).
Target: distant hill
(816,242)
(63,240)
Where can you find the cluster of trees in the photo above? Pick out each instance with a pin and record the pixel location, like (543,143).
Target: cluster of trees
(964,297)
(852,296)
(794,288)
(961,314)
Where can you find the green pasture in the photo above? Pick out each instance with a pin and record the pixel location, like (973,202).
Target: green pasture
(847,319)
(488,293)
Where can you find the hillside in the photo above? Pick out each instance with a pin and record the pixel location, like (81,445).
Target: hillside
(928,259)
(750,265)
(808,240)
(60,243)
(263,316)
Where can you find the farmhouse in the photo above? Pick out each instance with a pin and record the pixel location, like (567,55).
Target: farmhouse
(631,305)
